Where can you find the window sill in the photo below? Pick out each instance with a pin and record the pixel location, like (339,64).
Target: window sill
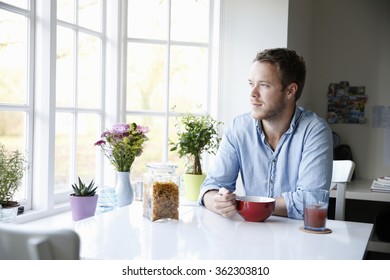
(38,215)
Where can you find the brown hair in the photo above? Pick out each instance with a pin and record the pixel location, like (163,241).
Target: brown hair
(291,67)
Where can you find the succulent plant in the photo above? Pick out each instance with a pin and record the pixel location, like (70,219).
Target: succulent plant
(82,190)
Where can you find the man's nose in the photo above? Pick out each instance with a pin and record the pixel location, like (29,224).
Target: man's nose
(255,92)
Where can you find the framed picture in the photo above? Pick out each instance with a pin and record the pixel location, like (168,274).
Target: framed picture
(346,103)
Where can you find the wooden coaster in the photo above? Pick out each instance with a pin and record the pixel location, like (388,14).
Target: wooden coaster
(326,231)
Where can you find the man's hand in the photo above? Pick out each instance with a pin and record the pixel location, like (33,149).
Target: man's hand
(222,202)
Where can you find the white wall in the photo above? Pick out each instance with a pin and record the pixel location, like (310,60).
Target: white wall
(300,27)
(247,26)
(347,40)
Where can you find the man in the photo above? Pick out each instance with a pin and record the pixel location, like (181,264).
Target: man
(279,149)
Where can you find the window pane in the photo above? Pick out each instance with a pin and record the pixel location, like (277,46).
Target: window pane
(188,79)
(174,156)
(63,148)
(148,19)
(66,10)
(145,77)
(12,136)
(87,132)
(12,130)
(190,20)
(13,58)
(153,150)
(18,3)
(65,67)
(90,14)
(89,71)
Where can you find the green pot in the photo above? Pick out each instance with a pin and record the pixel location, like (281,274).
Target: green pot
(192,185)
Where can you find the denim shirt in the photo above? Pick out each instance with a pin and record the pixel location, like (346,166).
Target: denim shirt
(302,160)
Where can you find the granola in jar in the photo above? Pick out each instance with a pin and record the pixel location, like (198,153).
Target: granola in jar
(161,192)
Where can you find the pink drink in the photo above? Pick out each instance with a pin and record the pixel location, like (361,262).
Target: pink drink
(315,217)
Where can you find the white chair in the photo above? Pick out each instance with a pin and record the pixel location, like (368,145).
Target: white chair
(21,243)
(342,174)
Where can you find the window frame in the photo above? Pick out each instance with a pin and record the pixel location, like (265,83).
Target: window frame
(27,108)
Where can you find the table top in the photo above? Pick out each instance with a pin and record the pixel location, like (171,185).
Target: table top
(200,234)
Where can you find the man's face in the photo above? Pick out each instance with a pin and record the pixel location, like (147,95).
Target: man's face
(266,95)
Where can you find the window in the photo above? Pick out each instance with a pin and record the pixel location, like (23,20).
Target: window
(69,69)
(79,89)
(168,74)
(16,82)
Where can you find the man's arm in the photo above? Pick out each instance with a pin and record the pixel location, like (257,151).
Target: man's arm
(280,207)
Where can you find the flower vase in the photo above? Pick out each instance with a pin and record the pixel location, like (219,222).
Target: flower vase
(123,189)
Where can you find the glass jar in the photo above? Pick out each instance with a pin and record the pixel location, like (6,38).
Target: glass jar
(161,192)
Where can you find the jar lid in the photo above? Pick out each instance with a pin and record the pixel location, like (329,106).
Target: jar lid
(161,166)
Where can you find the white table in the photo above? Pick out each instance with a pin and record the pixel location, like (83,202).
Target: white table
(200,234)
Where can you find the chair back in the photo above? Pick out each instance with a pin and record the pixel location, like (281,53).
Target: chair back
(18,242)
(341,175)
(342,171)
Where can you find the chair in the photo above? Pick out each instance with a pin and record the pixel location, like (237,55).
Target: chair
(21,243)
(342,174)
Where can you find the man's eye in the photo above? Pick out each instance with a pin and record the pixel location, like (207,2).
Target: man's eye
(264,85)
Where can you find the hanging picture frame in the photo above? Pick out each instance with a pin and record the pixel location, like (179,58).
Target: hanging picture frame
(346,103)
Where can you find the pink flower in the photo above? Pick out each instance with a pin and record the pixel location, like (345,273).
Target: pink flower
(122,144)
(100,142)
(142,129)
(120,128)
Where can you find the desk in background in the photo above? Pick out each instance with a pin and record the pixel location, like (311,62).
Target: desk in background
(360,189)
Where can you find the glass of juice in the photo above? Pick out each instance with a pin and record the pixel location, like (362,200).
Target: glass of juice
(315,205)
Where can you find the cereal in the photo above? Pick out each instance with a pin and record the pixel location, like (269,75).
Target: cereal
(161,192)
(165,201)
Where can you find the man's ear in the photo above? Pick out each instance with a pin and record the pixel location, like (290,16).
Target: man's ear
(292,89)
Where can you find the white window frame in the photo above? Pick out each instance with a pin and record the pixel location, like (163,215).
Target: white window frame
(28,107)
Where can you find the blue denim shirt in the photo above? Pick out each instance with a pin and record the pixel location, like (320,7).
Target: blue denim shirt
(302,160)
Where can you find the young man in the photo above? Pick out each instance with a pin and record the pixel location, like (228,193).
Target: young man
(279,149)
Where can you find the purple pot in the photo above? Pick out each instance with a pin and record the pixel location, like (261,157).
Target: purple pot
(83,206)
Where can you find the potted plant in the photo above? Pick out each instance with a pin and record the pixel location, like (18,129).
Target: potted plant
(12,167)
(83,200)
(196,135)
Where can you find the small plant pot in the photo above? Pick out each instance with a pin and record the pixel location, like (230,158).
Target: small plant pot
(83,206)
(8,214)
(192,185)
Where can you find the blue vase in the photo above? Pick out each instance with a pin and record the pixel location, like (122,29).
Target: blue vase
(123,189)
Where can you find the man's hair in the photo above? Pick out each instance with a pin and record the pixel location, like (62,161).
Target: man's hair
(291,67)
